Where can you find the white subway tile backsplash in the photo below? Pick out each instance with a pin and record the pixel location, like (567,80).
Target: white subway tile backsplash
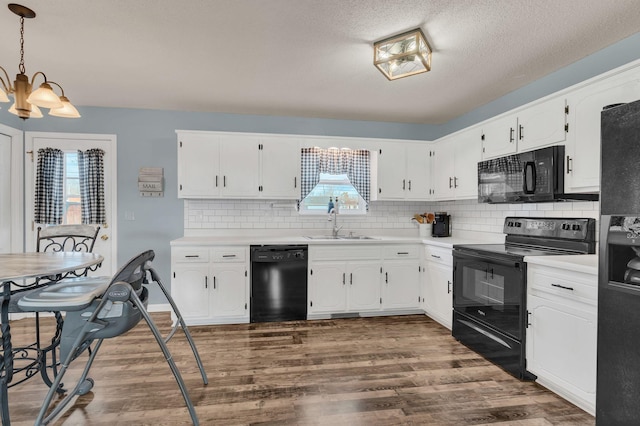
(465,214)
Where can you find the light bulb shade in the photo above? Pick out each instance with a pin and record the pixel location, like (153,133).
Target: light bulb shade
(34,113)
(44,97)
(402,55)
(3,96)
(66,110)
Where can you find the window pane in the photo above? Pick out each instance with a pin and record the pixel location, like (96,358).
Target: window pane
(72,208)
(339,190)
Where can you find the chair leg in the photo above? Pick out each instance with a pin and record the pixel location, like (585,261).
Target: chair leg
(80,389)
(183,325)
(167,355)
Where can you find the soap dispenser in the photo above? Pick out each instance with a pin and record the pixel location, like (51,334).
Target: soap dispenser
(331,205)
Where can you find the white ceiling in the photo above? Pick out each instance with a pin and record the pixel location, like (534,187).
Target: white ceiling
(308,58)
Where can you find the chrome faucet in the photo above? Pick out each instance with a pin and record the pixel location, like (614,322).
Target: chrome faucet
(336,228)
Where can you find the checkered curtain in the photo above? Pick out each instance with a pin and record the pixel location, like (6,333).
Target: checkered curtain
(49,186)
(91,174)
(354,163)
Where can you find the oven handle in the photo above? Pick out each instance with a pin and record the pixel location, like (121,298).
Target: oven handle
(486,333)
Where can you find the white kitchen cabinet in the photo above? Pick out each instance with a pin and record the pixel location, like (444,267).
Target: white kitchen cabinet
(401,277)
(562,332)
(404,171)
(499,136)
(210,285)
(280,167)
(344,279)
(455,166)
(437,284)
(534,126)
(237,165)
(582,162)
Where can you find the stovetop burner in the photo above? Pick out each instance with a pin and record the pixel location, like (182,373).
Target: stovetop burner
(540,237)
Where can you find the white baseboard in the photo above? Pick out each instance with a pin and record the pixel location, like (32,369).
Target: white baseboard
(159,307)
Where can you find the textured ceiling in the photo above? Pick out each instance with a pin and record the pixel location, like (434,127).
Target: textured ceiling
(309,58)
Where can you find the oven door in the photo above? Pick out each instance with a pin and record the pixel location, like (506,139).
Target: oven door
(491,291)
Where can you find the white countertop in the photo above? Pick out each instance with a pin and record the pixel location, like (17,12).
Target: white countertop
(586,263)
(382,237)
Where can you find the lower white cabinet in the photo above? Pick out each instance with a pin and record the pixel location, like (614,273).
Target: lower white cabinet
(211,285)
(376,279)
(351,284)
(401,281)
(562,332)
(437,284)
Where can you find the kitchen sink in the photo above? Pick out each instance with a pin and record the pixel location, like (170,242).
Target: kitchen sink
(340,237)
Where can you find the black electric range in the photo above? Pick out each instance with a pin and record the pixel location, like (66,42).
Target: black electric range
(489,284)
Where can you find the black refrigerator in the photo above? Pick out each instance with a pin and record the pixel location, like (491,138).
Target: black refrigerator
(618,383)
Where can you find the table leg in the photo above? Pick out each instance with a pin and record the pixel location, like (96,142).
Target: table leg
(6,363)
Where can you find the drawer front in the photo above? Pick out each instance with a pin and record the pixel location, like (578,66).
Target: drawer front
(556,282)
(190,255)
(340,252)
(438,255)
(401,252)
(229,254)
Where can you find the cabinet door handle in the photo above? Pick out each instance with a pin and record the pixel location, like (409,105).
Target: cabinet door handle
(216,181)
(569,164)
(562,286)
(510,134)
(344,278)
(214,282)
(520,132)
(528,319)
(295,181)
(437,257)
(403,184)
(351,278)
(455,181)
(386,277)
(448,287)
(224,181)
(450,181)
(409,184)
(206,282)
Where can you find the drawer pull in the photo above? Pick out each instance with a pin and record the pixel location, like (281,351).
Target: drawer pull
(562,286)
(228,255)
(192,255)
(403,253)
(437,257)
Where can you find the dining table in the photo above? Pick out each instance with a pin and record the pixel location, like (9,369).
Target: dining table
(20,272)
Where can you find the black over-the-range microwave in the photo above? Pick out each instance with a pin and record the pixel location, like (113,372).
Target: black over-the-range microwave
(529,177)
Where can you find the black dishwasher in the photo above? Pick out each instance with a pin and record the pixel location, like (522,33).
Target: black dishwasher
(278,283)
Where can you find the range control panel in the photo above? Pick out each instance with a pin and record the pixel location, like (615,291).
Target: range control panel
(562,228)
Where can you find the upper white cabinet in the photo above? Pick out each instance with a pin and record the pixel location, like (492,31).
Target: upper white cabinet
(537,125)
(582,162)
(227,165)
(403,171)
(455,166)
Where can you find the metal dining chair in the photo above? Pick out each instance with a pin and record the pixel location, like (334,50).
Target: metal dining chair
(102,310)
(54,238)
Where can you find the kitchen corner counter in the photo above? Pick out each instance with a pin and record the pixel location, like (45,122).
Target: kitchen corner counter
(585,263)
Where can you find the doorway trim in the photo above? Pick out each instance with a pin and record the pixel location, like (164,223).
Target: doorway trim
(111,140)
(17,187)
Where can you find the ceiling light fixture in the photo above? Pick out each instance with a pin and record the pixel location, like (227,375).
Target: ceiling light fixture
(26,102)
(402,55)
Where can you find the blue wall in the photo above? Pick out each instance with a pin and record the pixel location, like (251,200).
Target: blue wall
(146,138)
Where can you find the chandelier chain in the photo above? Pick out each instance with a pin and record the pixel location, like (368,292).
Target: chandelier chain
(21,65)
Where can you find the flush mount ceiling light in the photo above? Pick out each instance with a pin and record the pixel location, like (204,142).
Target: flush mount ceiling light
(402,55)
(25,101)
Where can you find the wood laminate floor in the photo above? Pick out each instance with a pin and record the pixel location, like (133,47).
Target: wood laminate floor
(404,370)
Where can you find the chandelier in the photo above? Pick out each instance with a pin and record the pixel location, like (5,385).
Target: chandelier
(402,55)
(27,103)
